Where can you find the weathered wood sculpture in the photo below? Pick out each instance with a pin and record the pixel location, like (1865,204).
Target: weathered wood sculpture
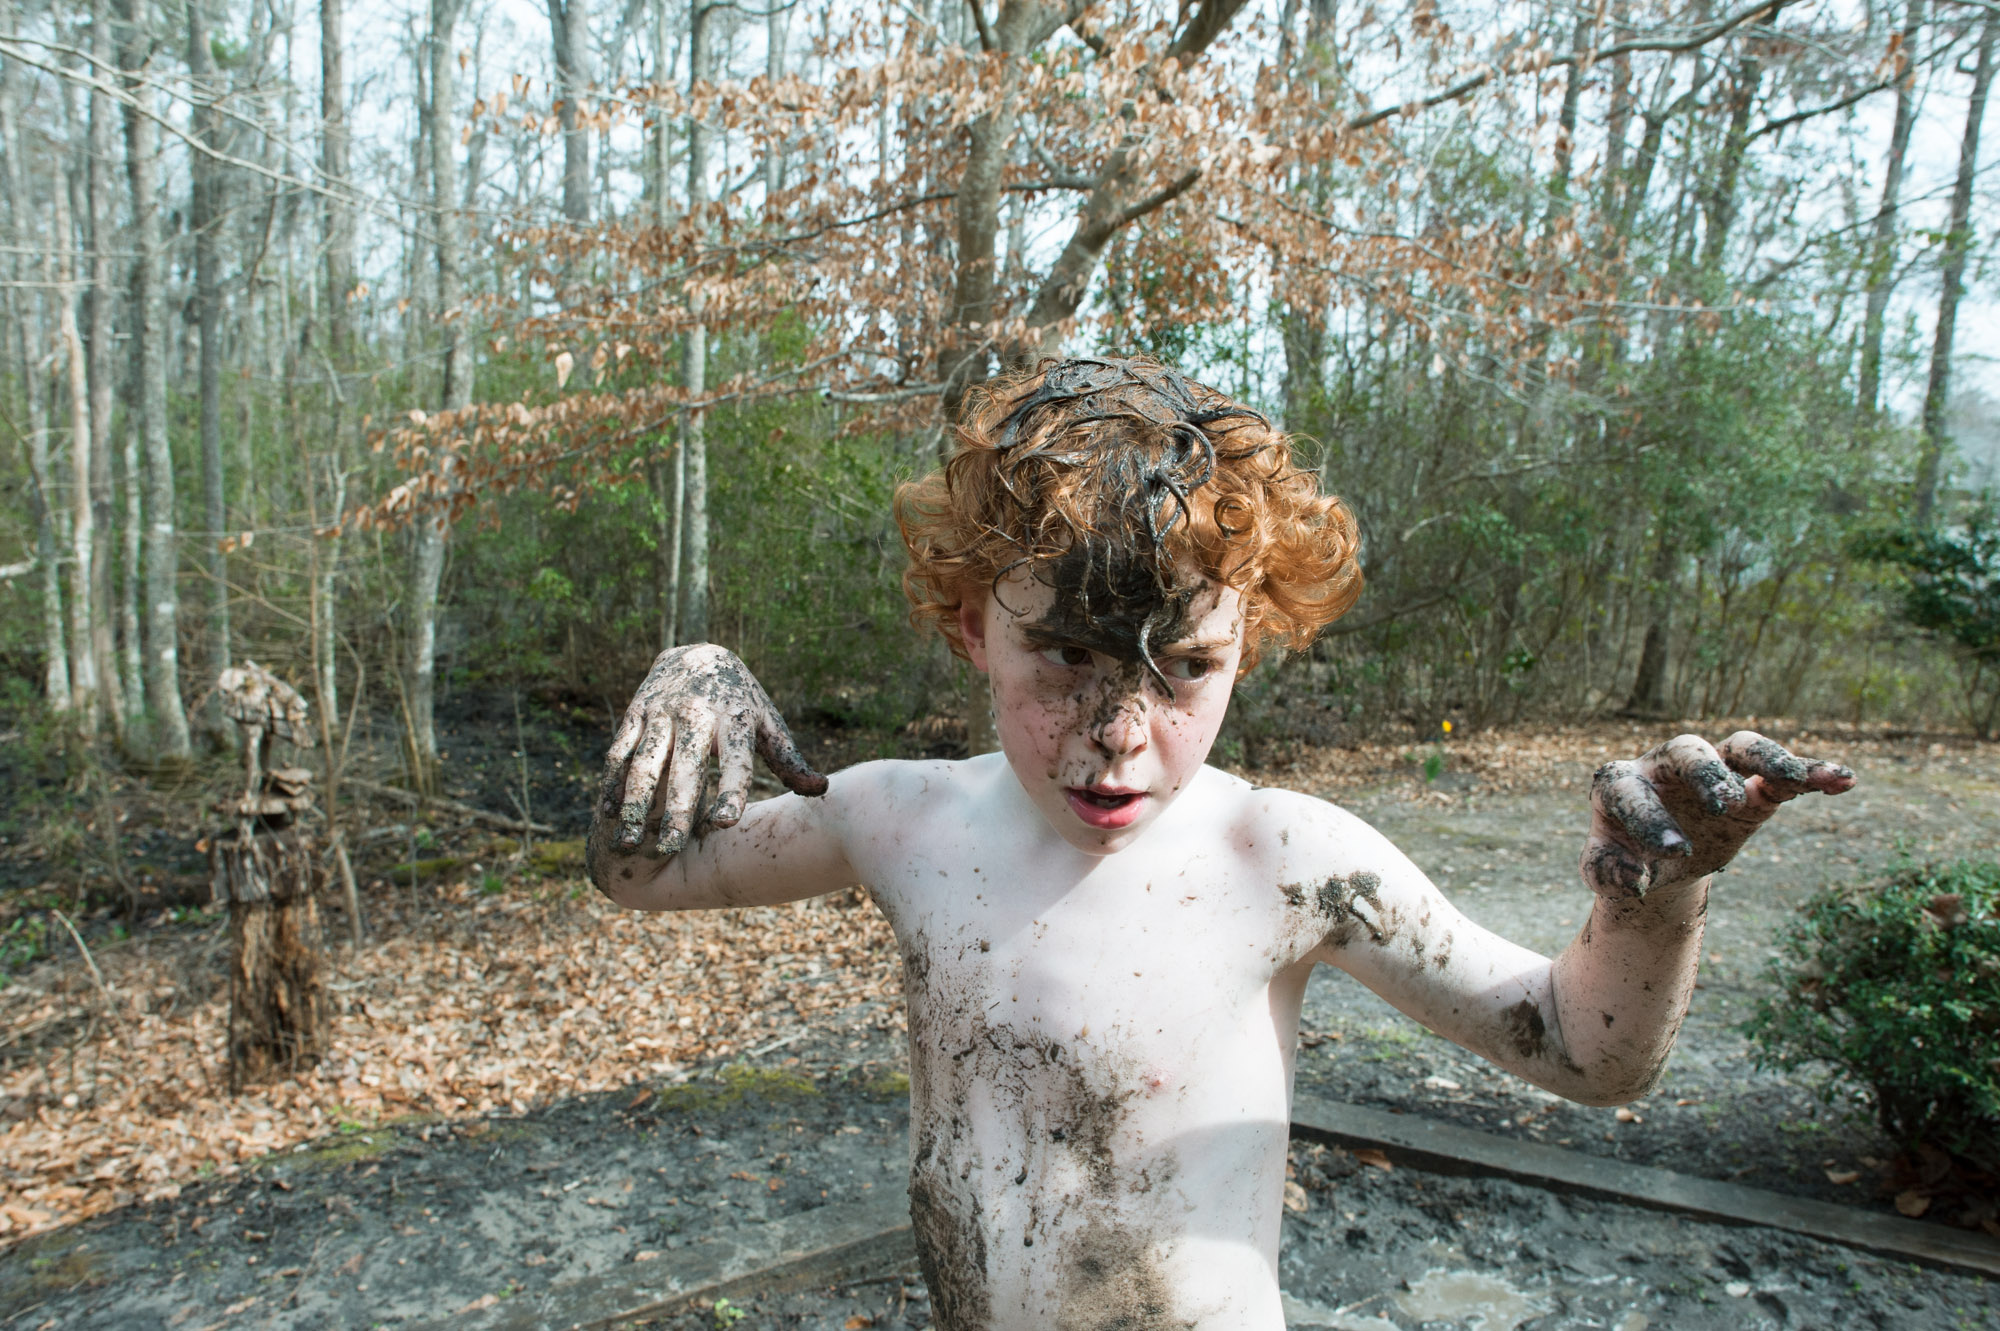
(267,866)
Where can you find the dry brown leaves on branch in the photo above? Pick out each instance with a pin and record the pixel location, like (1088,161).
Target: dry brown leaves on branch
(480,1005)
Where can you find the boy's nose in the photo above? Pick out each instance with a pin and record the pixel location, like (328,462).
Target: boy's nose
(1121,727)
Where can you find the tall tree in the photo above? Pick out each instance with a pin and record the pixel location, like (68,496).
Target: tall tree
(99,231)
(433,527)
(1882,240)
(569,35)
(206,216)
(84,680)
(333,158)
(692,480)
(25,331)
(169,732)
(1957,249)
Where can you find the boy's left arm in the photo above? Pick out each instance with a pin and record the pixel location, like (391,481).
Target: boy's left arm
(1596,1023)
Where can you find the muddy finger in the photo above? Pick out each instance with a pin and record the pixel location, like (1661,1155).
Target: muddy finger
(684,782)
(642,777)
(733,791)
(1693,762)
(1629,800)
(623,742)
(781,754)
(1781,774)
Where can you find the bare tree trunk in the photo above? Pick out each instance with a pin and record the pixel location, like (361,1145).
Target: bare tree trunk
(84,680)
(1649,683)
(693,462)
(55,646)
(433,529)
(445,207)
(100,231)
(569,34)
(161,547)
(333,145)
(1957,247)
(55,642)
(1882,244)
(207,225)
(776,20)
(1720,201)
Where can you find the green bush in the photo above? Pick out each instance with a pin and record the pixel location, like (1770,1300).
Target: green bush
(1895,987)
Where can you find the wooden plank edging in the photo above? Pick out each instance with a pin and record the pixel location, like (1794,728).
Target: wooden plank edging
(1445,1148)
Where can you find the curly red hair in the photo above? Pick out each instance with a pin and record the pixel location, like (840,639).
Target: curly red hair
(1102,453)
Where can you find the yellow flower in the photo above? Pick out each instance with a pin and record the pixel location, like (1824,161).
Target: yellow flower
(1447,727)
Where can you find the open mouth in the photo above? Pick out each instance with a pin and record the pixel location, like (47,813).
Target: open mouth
(1105,806)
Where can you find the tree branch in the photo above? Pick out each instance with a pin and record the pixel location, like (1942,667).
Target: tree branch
(1474,82)
(1159,200)
(979,21)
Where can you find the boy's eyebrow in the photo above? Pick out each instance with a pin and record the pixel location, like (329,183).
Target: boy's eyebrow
(1200,644)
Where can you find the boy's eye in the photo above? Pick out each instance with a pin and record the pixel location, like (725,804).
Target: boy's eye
(1066,654)
(1189,667)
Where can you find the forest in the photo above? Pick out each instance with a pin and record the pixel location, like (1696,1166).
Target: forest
(408,350)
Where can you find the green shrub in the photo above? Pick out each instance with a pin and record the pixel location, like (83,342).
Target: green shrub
(1895,986)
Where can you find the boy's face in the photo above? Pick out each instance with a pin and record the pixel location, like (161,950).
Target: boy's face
(1100,746)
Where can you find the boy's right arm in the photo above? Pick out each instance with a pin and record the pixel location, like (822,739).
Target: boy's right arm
(695,701)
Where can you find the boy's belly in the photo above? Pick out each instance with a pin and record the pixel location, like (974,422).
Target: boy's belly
(1117,1178)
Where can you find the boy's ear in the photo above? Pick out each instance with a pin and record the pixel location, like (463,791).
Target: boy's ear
(972,628)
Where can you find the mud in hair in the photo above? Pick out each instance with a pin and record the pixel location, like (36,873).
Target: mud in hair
(1124,484)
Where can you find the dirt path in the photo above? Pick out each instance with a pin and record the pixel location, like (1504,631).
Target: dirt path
(412,1221)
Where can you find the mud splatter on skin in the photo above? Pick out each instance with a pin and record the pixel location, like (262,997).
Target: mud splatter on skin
(1110,1281)
(1526,1029)
(951,1249)
(1331,905)
(1527,1032)
(1065,1116)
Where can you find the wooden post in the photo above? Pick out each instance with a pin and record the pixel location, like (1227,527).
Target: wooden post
(270,870)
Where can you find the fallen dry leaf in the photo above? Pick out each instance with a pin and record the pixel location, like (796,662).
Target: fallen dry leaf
(466,1007)
(1296,1198)
(1368,1155)
(1912,1203)
(483,1301)
(1842,1176)
(1625,1115)
(858,1321)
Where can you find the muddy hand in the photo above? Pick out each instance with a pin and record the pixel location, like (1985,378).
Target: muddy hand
(695,701)
(1684,809)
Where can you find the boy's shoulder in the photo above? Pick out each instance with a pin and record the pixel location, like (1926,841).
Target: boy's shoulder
(1281,827)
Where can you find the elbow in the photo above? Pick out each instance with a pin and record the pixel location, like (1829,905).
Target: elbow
(1612,1084)
(610,873)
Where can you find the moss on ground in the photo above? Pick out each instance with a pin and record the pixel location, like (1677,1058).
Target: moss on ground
(736,1083)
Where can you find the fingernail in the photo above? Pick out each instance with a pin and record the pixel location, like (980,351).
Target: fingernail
(1674,842)
(628,837)
(671,840)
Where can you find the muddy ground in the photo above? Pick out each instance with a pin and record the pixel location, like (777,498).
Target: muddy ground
(418,1220)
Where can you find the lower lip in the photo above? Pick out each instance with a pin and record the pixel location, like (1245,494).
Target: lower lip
(1106,818)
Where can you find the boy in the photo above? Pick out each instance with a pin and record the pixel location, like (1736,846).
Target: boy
(1103,995)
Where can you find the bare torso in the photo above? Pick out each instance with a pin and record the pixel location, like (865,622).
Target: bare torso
(1100,1056)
